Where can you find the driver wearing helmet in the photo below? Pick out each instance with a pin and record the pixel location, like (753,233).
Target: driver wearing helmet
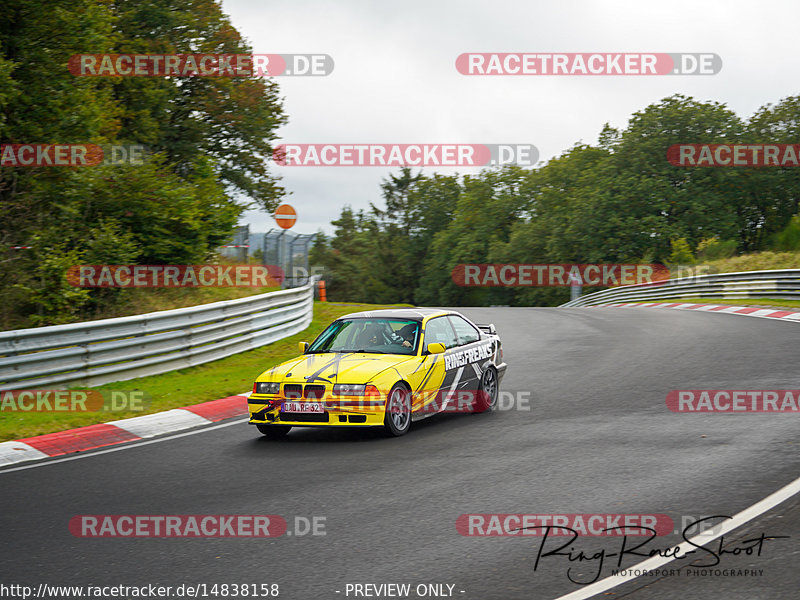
(371,336)
(408,333)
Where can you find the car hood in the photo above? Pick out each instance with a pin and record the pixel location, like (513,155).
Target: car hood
(356,367)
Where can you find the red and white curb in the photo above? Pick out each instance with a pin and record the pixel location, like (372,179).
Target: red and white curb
(124,430)
(747,311)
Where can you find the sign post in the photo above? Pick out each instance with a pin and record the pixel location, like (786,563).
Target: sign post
(575,284)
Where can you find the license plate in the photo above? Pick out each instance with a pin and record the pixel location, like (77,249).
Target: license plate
(303,407)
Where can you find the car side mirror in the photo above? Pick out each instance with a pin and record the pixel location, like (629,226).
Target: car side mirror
(303,346)
(436,348)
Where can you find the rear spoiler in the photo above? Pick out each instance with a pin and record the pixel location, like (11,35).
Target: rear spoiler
(487,328)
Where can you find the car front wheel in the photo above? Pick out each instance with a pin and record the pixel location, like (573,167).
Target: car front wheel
(397,421)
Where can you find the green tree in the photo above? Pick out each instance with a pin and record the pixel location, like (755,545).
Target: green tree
(772,193)
(667,201)
(232,120)
(209,139)
(488,206)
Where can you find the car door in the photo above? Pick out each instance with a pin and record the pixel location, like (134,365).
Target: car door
(469,339)
(428,378)
(459,375)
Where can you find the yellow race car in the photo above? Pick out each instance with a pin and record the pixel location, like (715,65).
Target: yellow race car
(382,368)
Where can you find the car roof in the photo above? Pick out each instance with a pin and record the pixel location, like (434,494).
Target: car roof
(412,314)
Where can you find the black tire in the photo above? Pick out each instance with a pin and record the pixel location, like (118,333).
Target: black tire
(397,421)
(488,389)
(274,432)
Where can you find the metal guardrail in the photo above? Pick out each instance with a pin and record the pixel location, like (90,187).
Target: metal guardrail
(97,352)
(781,283)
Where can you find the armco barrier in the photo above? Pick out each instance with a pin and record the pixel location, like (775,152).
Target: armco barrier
(782,283)
(98,352)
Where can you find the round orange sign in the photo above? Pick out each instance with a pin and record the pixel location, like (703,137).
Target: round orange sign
(285,216)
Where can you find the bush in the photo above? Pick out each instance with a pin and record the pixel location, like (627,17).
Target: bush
(788,239)
(681,252)
(715,249)
(51,300)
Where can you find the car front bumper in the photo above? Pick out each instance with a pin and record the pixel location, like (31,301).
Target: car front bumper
(338,412)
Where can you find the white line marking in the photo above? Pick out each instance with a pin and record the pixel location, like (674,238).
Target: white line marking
(90,453)
(161,422)
(748,514)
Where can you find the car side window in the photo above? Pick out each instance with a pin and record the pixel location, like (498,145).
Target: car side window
(464,330)
(439,330)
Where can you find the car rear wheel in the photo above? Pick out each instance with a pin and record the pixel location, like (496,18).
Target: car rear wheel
(397,421)
(487,392)
(274,432)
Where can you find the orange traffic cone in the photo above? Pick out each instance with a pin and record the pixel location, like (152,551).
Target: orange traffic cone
(322,296)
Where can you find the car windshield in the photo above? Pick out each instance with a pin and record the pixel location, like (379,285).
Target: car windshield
(378,336)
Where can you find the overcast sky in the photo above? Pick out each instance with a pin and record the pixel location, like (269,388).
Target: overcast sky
(395,79)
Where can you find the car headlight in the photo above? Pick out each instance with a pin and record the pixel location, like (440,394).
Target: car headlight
(266,387)
(349,389)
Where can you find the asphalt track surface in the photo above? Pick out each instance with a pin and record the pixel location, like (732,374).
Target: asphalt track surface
(598,439)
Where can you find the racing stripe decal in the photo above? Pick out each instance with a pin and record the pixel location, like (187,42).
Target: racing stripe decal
(449,376)
(452,387)
(428,374)
(419,366)
(315,376)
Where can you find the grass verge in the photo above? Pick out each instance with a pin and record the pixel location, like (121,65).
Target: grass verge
(756,261)
(137,301)
(214,380)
